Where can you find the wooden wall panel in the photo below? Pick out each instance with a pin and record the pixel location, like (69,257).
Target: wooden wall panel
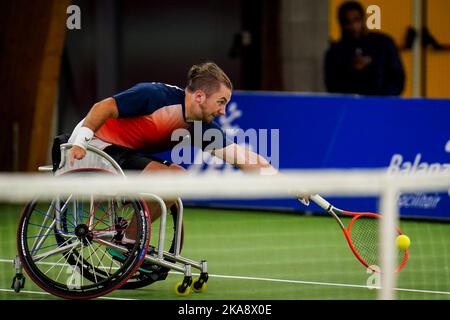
(438,62)
(30,52)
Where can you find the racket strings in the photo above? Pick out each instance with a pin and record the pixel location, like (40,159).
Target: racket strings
(364,236)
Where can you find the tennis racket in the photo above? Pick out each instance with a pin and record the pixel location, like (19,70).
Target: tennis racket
(362,234)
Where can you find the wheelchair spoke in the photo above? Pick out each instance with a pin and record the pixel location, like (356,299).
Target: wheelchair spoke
(94,218)
(37,246)
(59,260)
(69,234)
(103,256)
(100,262)
(113,246)
(65,255)
(127,213)
(113,262)
(101,220)
(61,210)
(46,215)
(91,213)
(49,246)
(55,251)
(43,223)
(91,253)
(75,269)
(45,227)
(80,211)
(82,261)
(75,213)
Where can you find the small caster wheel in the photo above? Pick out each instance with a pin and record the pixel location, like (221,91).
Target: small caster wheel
(16,286)
(18,283)
(22,282)
(199,285)
(182,289)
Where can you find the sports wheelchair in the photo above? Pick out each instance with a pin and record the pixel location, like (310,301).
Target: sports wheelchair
(81,249)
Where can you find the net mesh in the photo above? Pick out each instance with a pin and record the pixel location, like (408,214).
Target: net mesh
(255,254)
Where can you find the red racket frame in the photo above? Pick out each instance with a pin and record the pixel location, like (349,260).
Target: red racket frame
(347,230)
(333,211)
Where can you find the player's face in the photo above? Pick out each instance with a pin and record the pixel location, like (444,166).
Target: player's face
(354,24)
(214,105)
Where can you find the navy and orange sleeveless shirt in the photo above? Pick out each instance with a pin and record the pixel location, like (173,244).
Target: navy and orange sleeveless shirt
(148,115)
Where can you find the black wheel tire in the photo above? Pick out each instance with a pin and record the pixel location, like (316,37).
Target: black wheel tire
(130,266)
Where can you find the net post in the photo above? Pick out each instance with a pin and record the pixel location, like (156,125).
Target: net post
(389,211)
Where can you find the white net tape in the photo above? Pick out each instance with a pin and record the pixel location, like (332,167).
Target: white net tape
(19,187)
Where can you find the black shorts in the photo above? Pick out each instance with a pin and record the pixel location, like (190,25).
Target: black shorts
(129,159)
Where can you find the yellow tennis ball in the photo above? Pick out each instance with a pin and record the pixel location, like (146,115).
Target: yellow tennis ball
(403,242)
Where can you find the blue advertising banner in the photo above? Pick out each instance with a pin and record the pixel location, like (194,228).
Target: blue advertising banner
(342,132)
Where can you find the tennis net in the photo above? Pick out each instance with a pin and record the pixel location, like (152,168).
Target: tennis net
(268,248)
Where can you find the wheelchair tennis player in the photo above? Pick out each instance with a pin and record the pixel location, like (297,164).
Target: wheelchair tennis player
(129,127)
(136,123)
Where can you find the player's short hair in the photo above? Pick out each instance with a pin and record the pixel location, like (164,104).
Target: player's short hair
(349,6)
(207,77)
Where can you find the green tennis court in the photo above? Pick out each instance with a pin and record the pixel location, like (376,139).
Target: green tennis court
(271,255)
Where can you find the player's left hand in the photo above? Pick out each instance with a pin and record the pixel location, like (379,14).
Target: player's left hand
(303,197)
(304,200)
(76,152)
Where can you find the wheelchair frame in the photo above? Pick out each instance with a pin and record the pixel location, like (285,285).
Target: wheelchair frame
(166,259)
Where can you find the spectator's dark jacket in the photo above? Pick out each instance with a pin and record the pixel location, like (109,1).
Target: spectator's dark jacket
(384,76)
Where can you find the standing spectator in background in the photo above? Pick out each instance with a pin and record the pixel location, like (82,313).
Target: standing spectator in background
(362,62)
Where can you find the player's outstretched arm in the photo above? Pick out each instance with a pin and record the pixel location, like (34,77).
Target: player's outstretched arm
(99,113)
(250,161)
(245,159)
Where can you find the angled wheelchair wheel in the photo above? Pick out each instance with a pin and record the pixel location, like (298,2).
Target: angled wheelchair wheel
(65,244)
(149,273)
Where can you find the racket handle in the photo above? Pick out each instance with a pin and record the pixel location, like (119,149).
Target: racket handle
(321,202)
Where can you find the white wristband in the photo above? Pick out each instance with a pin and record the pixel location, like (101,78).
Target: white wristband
(83,138)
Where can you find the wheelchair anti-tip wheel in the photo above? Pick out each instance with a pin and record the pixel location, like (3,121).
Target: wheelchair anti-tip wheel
(199,284)
(65,244)
(18,282)
(183,288)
